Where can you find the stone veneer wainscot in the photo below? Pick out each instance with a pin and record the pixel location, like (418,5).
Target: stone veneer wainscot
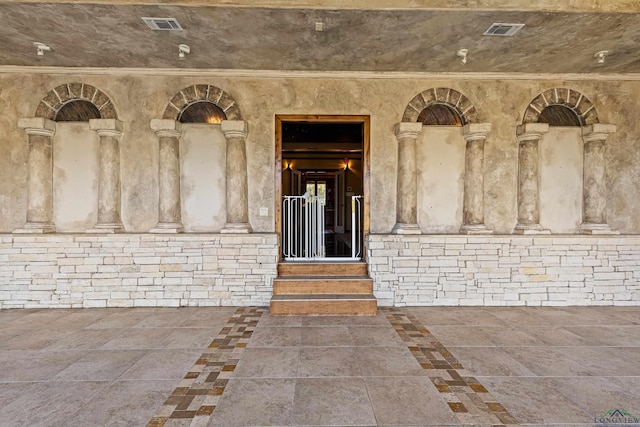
(504,270)
(137,270)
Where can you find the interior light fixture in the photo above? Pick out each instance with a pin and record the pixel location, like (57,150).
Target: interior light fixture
(601,56)
(462,53)
(346,163)
(183,50)
(41,48)
(319,26)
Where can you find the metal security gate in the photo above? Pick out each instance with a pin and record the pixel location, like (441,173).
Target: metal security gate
(303,231)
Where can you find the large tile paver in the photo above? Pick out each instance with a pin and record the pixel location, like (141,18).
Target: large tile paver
(408,400)
(546,366)
(332,401)
(328,362)
(256,402)
(49,404)
(121,404)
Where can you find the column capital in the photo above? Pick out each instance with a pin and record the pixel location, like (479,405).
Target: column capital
(597,132)
(166,127)
(476,131)
(107,127)
(234,128)
(531,131)
(407,130)
(38,126)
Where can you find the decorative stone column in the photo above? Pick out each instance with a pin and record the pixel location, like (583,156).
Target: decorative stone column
(109,131)
(473,208)
(406,197)
(40,133)
(235,131)
(594,190)
(528,195)
(169,206)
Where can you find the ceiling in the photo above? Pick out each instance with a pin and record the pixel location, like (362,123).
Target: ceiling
(407,40)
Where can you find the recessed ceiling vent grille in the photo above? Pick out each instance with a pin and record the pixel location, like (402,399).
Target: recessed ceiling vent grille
(502,29)
(163,24)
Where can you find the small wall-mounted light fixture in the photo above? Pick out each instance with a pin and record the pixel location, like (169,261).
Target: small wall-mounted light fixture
(41,48)
(601,56)
(183,50)
(288,165)
(346,163)
(462,53)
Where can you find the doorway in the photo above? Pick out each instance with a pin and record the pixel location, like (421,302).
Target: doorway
(322,163)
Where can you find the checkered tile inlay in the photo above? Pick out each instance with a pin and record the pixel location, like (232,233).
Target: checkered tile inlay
(197,395)
(468,399)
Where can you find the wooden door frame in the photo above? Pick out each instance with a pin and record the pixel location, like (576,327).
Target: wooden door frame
(366,121)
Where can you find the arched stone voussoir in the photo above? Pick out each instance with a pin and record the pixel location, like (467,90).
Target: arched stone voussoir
(63,94)
(447,96)
(202,92)
(572,99)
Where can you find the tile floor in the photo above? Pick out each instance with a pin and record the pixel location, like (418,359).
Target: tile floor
(222,366)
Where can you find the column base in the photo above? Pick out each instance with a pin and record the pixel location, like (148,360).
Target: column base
(107,228)
(592,228)
(36,228)
(401,228)
(236,228)
(168,228)
(475,229)
(530,229)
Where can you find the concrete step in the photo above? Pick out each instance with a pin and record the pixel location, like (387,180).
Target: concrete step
(324,269)
(323,304)
(322,285)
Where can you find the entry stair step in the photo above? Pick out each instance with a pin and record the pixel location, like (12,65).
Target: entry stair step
(321,288)
(322,285)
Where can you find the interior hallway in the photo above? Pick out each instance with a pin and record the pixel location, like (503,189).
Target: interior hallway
(224,366)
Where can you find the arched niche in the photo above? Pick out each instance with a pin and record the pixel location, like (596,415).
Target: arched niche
(84,117)
(440,115)
(200,110)
(77,110)
(448,165)
(555,173)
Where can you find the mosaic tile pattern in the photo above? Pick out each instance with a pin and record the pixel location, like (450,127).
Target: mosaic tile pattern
(468,399)
(195,398)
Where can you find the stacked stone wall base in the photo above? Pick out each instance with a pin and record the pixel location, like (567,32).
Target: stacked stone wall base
(136,270)
(511,270)
(172,270)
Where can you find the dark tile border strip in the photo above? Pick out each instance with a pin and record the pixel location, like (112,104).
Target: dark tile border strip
(197,395)
(467,398)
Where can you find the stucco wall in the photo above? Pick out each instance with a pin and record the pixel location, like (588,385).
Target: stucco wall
(138,99)
(202,163)
(560,172)
(440,180)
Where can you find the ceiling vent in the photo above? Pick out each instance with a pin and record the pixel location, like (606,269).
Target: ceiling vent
(163,24)
(502,29)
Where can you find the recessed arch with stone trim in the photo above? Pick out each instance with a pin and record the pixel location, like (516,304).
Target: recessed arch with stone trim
(572,99)
(198,93)
(63,94)
(446,96)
